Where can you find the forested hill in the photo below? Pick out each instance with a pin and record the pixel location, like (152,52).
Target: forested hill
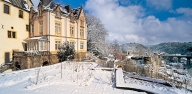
(132,47)
(184,48)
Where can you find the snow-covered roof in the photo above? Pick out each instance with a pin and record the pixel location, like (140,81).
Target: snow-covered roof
(76,12)
(19,3)
(43,38)
(65,10)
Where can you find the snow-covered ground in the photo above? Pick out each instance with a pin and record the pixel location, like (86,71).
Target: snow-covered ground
(151,86)
(76,78)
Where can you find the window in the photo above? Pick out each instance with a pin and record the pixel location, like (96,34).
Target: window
(82,33)
(41,28)
(82,23)
(81,45)
(27,27)
(35,46)
(72,31)
(11,34)
(6,9)
(57,14)
(20,14)
(57,45)
(72,42)
(40,12)
(41,45)
(32,28)
(57,29)
(32,45)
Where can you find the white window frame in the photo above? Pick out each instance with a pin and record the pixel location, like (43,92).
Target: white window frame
(41,26)
(81,45)
(57,28)
(41,45)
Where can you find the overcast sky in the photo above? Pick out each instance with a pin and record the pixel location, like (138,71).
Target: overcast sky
(141,21)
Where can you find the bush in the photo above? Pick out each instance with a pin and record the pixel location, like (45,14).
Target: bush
(66,52)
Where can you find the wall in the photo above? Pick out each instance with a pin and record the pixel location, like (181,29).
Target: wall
(27,61)
(19,26)
(48,18)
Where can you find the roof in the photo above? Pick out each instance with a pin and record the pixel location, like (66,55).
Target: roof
(65,10)
(19,3)
(43,38)
(77,12)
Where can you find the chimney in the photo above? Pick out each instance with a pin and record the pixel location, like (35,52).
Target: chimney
(68,8)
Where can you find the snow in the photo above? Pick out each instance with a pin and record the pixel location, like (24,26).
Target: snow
(144,84)
(129,57)
(48,6)
(76,78)
(7,1)
(119,78)
(27,7)
(152,87)
(37,38)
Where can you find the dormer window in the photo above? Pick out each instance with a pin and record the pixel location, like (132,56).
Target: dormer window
(72,17)
(82,23)
(40,13)
(58,14)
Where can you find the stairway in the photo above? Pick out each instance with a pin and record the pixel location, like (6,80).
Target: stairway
(4,67)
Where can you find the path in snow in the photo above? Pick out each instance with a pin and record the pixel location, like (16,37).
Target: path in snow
(81,81)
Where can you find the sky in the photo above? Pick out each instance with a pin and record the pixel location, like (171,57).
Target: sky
(141,21)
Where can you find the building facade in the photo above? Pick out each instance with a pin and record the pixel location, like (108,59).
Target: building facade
(14,27)
(52,24)
(31,37)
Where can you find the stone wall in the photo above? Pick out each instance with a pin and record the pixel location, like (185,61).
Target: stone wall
(80,56)
(22,60)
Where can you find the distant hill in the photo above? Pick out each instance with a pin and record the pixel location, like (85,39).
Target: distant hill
(132,47)
(184,48)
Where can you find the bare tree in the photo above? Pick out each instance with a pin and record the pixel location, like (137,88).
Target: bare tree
(116,49)
(96,35)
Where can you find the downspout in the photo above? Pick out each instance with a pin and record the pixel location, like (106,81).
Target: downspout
(49,39)
(77,37)
(66,29)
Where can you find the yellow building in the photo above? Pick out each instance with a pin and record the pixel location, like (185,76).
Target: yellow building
(14,27)
(52,24)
